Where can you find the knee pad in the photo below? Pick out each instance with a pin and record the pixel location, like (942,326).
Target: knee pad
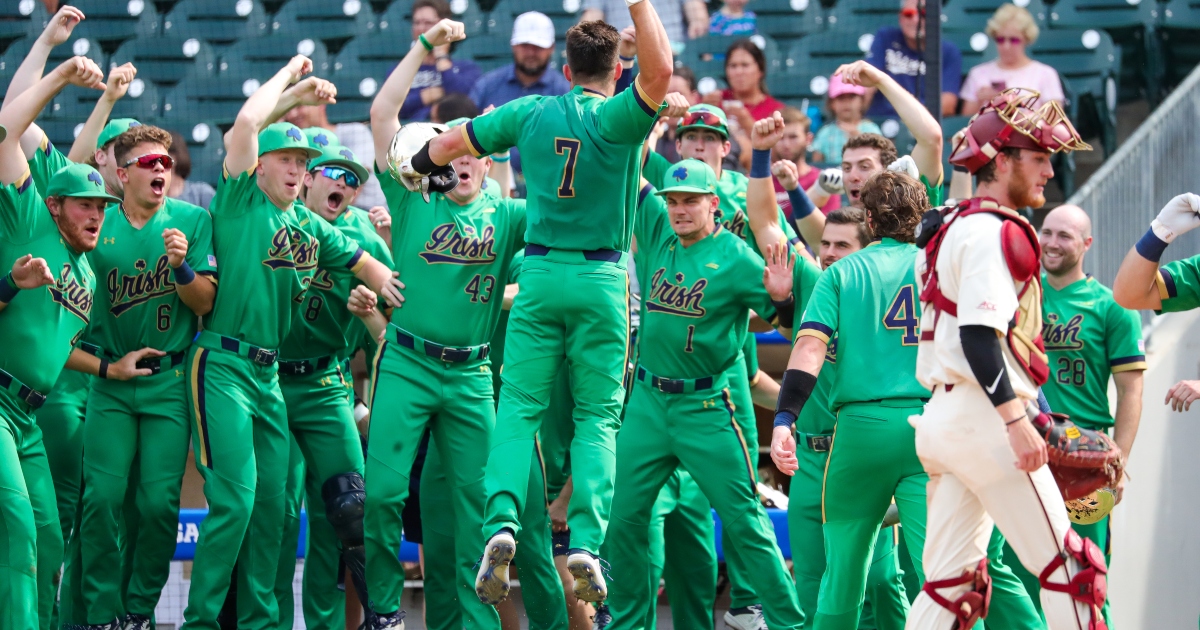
(345,499)
(970,606)
(1090,584)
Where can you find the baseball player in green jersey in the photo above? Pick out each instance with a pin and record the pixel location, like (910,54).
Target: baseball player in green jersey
(270,248)
(1088,337)
(584,148)
(700,281)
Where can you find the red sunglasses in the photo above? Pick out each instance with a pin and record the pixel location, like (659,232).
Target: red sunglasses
(703,117)
(911,13)
(150,159)
(1008,40)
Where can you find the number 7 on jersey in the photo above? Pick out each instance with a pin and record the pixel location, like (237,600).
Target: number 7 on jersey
(570,148)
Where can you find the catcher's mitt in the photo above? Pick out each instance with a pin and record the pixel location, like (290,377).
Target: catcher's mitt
(1082,460)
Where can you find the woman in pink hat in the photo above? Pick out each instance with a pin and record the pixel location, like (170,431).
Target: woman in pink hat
(847,103)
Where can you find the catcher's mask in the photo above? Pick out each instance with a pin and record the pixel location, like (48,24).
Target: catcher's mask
(1013,119)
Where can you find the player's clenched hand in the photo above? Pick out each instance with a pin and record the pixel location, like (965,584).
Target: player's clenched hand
(297,67)
(1027,445)
(315,91)
(677,106)
(30,273)
(119,79)
(445,32)
(788,175)
(830,180)
(777,275)
(628,46)
(1182,395)
(126,367)
(362,301)
(60,27)
(767,132)
(783,451)
(905,164)
(391,291)
(177,246)
(860,73)
(83,72)
(1179,216)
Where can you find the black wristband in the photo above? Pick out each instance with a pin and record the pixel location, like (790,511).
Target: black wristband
(794,390)
(785,312)
(103,371)
(422,163)
(8,288)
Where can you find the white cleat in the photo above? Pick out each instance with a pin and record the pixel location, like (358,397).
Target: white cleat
(491,582)
(589,580)
(747,618)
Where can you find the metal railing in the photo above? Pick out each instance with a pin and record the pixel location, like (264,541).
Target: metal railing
(1160,160)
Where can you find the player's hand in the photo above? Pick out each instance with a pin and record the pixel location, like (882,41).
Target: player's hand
(297,67)
(1119,491)
(788,175)
(445,32)
(766,132)
(777,275)
(861,73)
(1027,445)
(1180,216)
(362,301)
(82,72)
(677,106)
(905,164)
(1181,396)
(391,291)
(783,451)
(177,246)
(830,181)
(30,273)
(126,367)
(314,91)
(119,79)
(558,514)
(60,26)
(628,46)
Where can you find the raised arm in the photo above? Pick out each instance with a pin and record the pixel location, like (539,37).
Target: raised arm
(241,143)
(56,32)
(1136,284)
(385,109)
(761,208)
(85,143)
(928,133)
(655,61)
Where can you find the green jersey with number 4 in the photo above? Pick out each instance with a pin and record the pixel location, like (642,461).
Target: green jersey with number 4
(1088,336)
(581,153)
(454,261)
(869,299)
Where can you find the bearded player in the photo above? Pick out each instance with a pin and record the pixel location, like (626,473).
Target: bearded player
(980,357)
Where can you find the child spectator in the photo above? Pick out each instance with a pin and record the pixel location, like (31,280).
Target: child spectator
(734,20)
(846,104)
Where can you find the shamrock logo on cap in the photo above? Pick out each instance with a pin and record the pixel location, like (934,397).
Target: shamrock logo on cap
(680,174)
(94,177)
(294,134)
(321,140)
(346,154)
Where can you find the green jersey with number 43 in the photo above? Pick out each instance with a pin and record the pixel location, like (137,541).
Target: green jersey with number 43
(581,153)
(323,326)
(1088,336)
(454,261)
(869,299)
(696,300)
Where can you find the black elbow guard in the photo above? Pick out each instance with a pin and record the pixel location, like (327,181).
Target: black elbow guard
(981,346)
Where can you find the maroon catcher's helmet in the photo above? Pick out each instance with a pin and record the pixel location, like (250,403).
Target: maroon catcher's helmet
(1012,119)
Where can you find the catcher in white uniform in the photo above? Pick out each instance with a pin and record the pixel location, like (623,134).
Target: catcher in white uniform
(986,455)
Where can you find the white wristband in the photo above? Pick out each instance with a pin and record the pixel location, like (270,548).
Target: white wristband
(1162,231)
(630,3)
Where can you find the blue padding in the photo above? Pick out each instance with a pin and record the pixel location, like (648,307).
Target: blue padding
(189,532)
(778,521)
(770,338)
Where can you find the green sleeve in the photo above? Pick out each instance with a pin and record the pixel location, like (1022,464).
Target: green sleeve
(804,279)
(516,209)
(1123,339)
(650,223)
(200,255)
(23,214)
(1179,285)
(627,117)
(236,194)
(514,270)
(935,193)
(338,253)
(820,317)
(497,131)
(655,169)
(397,196)
(46,161)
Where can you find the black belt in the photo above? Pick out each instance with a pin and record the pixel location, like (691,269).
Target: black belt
(304,366)
(158,364)
(815,442)
(438,351)
(23,392)
(675,385)
(261,356)
(597,255)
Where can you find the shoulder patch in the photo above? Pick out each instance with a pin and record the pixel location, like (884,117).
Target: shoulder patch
(1020,254)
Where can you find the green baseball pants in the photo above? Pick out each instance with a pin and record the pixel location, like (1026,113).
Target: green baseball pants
(240,438)
(700,432)
(1098,532)
(683,552)
(741,594)
(550,324)
(286,572)
(411,391)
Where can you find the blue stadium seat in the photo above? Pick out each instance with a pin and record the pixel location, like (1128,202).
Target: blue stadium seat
(206,147)
(972,15)
(788,20)
(331,21)
(371,55)
(111,22)
(1131,25)
(863,14)
(167,60)
(489,51)
(1178,36)
(77,45)
(217,98)
(1089,62)
(20,18)
(143,101)
(356,90)
(837,46)
(219,22)
(564,13)
(61,131)
(262,57)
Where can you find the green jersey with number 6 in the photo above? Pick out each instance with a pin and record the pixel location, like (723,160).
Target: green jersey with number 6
(696,300)
(581,153)
(454,261)
(1088,336)
(869,299)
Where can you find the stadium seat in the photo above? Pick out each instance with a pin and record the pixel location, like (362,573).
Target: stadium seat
(20,18)
(564,13)
(833,47)
(331,21)
(976,47)
(863,14)
(218,22)
(489,51)
(706,56)
(206,146)
(111,22)
(217,98)
(1131,25)
(61,131)
(1088,62)
(1178,35)
(893,129)
(802,86)
(143,101)
(77,45)
(167,60)
(788,20)
(372,55)
(972,15)
(356,90)
(262,57)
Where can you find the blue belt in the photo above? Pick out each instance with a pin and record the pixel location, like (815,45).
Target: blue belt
(301,367)
(675,385)
(438,351)
(21,391)
(596,255)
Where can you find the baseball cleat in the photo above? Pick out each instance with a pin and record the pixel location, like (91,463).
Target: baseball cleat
(745,618)
(393,621)
(136,622)
(589,580)
(491,582)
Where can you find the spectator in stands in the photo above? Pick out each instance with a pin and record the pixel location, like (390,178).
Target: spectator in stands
(529,73)
(846,104)
(684,82)
(452,107)
(733,20)
(439,74)
(196,193)
(355,136)
(671,12)
(746,99)
(1013,29)
(899,51)
(793,147)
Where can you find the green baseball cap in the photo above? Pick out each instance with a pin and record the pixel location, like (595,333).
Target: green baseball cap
(79,180)
(320,137)
(115,128)
(280,136)
(340,156)
(704,117)
(689,176)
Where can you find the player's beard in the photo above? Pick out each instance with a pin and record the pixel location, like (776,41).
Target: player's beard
(1067,261)
(1020,191)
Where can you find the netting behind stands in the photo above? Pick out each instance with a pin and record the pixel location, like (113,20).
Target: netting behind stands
(169,614)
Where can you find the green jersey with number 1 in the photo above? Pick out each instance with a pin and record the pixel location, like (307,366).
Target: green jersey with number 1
(1088,336)
(581,153)
(869,299)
